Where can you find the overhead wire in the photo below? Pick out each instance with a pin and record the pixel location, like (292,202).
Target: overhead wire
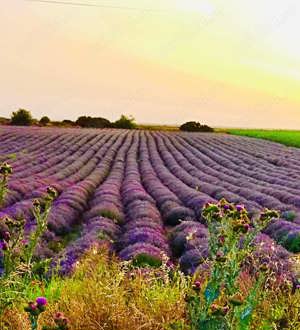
(104,6)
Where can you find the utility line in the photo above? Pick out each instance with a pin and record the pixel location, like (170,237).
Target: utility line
(84,4)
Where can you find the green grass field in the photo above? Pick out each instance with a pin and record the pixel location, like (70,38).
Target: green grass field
(289,138)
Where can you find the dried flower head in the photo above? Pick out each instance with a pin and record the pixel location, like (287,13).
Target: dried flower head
(5,169)
(52,193)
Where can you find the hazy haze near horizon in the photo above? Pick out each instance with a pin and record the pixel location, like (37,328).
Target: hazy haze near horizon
(166,62)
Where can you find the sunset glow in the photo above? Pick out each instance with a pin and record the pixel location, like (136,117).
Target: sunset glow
(233,63)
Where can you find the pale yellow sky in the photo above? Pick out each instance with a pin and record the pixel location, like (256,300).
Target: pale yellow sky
(233,63)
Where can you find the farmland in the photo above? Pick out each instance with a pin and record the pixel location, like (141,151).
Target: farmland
(142,193)
(135,187)
(289,138)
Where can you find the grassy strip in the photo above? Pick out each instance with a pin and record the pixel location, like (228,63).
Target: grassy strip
(288,138)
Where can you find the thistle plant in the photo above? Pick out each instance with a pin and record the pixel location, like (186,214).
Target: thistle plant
(218,302)
(61,322)
(34,310)
(11,241)
(41,210)
(5,172)
(16,249)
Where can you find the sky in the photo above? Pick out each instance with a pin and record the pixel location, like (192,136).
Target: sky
(233,63)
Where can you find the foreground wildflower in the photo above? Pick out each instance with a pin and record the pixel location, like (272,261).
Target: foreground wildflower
(5,172)
(219,303)
(34,310)
(61,322)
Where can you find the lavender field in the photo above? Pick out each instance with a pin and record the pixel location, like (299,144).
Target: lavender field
(142,192)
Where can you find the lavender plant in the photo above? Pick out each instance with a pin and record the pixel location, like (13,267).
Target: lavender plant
(218,302)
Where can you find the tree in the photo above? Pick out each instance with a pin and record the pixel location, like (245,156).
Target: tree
(193,126)
(68,122)
(21,118)
(4,121)
(93,122)
(125,123)
(44,121)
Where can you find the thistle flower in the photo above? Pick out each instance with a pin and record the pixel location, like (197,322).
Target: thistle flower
(52,193)
(220,257)
(6,236)
(240,208)
(268,214)
(8,221)
(237,226)
(41,301)
(197,285)
(221,240)
(3,246)
(61,321)
(264,267)
(31,307)
(36,203)
(211,210)
(5,169)
(219,310)
(245,228)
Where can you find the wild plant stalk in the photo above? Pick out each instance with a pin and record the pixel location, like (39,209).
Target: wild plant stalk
(16,251)
(34,310)
(5,172)
(61,322)
(231,240)
(41,213)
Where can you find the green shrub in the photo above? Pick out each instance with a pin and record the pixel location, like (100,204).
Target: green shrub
(93,122)
(125,123)
(67,122)
(193,126)
(21,118)
(44,120)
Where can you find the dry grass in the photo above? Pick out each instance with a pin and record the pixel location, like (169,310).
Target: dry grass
(105,294)
(102,296)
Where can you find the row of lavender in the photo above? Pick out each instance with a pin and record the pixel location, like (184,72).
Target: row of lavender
(142,193)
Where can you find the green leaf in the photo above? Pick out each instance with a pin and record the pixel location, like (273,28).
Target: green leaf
(245,318)
(211,293)
(214,324)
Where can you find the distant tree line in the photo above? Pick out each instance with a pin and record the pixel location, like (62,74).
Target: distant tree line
(98,122)
(23,117)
